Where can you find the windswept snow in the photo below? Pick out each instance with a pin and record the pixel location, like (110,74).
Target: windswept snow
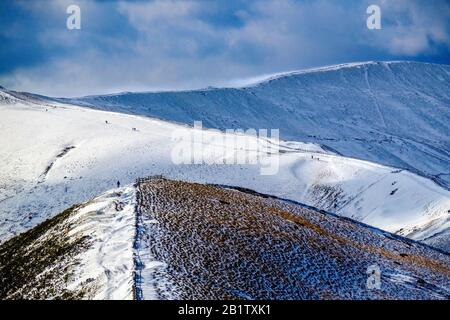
(109,221)
(255,81)
(36,137)
(85,252)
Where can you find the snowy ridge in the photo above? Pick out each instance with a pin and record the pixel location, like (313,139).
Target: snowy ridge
(109,221)
(255,81)
(85,252)
(336,67)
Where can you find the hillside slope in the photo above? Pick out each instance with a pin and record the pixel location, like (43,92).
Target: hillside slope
(392,113)
(202,242)
(165,239)
(85,252)
(57,155)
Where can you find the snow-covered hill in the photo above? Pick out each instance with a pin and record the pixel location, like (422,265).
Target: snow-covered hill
(55,155)
(165,239)
(393,113)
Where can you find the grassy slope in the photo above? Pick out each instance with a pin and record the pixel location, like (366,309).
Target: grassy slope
(220,243)
(37,264)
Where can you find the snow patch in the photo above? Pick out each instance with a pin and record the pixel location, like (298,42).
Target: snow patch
(108,221)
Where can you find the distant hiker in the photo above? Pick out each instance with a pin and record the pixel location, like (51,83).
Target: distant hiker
(106,121)
(134,129)
(118,184)
(312,157)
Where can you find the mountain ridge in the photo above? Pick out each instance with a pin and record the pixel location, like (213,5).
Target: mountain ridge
(263,78)
(394,113)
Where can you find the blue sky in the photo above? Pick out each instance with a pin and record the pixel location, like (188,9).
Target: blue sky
(165,45)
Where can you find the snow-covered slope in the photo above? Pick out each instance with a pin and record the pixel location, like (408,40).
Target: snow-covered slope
(393,113)
(57,155)
(85,252)
(165,239)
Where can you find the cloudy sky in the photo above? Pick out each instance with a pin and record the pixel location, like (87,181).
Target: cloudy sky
(172,45)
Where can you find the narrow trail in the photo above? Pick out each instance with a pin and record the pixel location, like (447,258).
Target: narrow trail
(375,101)
(109,222)
(149,280)
(139,233)
(49,167)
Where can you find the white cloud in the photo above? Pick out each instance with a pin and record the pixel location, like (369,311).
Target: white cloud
(413,27)
(141,14)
